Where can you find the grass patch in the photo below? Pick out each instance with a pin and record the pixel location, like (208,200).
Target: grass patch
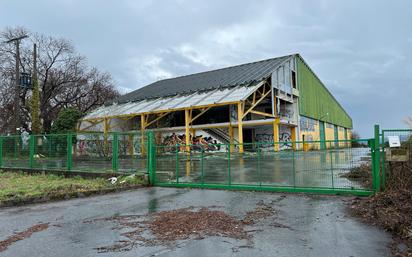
(20,186)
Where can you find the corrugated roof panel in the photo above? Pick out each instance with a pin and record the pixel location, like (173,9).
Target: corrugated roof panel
(206,81)
(175,102)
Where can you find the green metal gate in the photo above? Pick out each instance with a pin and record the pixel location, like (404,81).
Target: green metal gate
(323,166)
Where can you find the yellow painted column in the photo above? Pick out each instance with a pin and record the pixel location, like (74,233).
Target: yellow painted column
(187,129)
(142,130)
(276,134)
(130,144)
(106,129)
(240,126)
(293,137)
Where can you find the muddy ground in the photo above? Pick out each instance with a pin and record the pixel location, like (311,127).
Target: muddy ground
(184,222)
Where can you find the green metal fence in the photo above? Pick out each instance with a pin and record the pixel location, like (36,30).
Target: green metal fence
(403,153)
(273,166)
(88,152)
(310,166)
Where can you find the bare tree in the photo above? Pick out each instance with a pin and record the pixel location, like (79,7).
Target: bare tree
(65,80)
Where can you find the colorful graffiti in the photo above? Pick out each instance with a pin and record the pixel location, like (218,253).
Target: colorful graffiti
(207,143)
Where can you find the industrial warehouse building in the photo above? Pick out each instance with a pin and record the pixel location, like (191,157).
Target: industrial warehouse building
(275,100)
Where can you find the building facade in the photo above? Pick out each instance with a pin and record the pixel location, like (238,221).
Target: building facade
(275,100)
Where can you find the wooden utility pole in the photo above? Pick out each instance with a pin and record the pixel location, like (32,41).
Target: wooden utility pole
(35,99)
(17,122)
(17,89)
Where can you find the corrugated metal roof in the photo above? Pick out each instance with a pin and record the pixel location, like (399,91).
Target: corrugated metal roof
(205,81)
(217,96)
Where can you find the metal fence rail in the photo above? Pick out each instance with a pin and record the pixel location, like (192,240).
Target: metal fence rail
(307,166)
(263,166)
(404,151)
(87,152)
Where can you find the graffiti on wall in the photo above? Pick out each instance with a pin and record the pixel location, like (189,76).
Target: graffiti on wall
(264,134)
(176,141)
(285,136)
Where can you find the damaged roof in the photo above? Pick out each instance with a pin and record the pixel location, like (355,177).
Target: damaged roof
(205,81)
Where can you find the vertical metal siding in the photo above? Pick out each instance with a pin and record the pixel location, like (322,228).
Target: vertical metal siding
(315,100)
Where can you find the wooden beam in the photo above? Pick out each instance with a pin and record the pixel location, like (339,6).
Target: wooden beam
(106,128)
(240,125)
(130,144)
(201,113)
(262,113)
(293,137)
(93,123)
(156,119)
(276,134)
(187,130)
(256,103)
(127,117)
(142,130)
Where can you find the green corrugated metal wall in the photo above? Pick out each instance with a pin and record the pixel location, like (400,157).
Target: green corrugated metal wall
(315,100)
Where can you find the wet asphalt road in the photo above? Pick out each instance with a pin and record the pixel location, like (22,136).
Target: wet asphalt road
(314,225)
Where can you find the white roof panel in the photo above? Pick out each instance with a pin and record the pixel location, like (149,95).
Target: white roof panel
(176,102)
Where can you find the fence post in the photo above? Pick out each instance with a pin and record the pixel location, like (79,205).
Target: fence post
(294,168)
(202,156)
(259,166)
(1,152)
(150,154)
(376,160)
(153,151)
(115,152)
(69,152)
(228,164)
(331,168)
(382,160)
(31,151)
(177,162)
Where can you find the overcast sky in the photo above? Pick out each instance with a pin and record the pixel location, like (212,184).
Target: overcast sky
(360,49)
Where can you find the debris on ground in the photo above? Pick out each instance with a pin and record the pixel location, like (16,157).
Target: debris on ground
(260,212)
(167,227)
(112,180)
(392,209)
(185,223)
(4,244)
(361,174)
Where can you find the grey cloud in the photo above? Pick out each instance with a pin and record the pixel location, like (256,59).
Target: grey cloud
(360,49)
